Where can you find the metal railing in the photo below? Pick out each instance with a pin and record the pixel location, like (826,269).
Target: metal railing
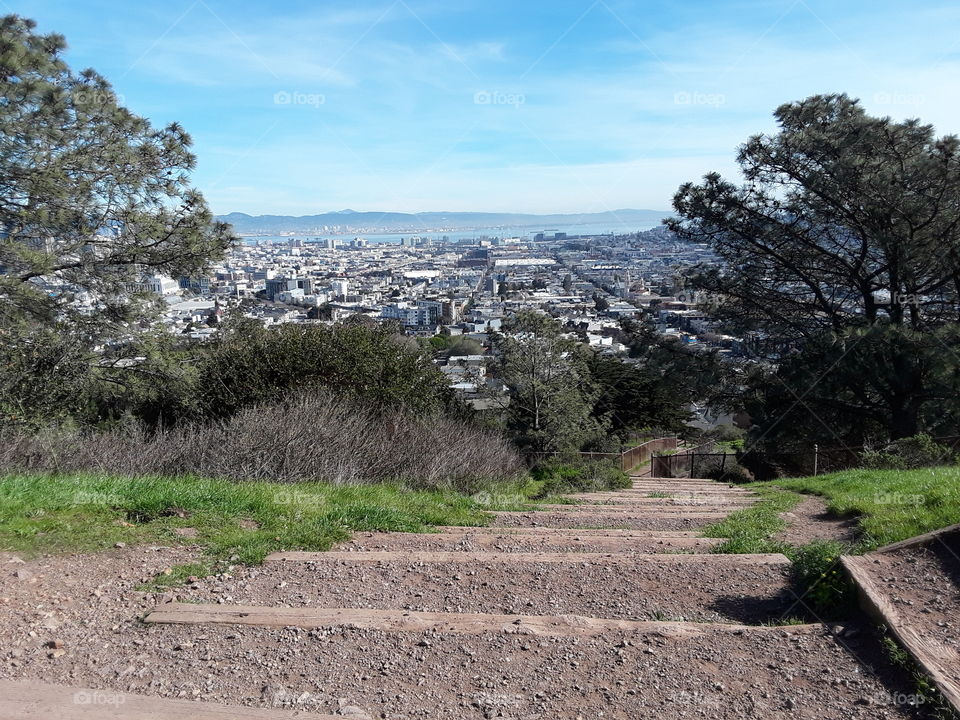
(626,460)
(636,456)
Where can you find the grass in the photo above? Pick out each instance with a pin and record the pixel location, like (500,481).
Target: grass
(925,692)
(751,529)
(237,522)
(818,580)
(890,505)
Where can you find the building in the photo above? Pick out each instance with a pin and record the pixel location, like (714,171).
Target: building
(275,286)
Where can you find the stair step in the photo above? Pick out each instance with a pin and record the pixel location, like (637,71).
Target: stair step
(665,670)
(609,521)
(639,508)
(614,585)
(571,532)
(531,542)
(672,498)
(924,569)
(439,556)
(413,621)
(30,700)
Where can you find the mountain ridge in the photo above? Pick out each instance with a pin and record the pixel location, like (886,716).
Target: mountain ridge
(431,220)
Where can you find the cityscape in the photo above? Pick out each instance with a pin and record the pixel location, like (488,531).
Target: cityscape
(463,288)
(623,385)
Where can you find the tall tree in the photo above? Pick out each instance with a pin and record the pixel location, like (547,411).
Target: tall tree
(847,227)
(551,391)
(91,195)
(92,198)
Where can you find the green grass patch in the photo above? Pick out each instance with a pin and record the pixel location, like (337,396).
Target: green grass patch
(239,522)
(925,692)
(890,505)
(750,530)
(818,580)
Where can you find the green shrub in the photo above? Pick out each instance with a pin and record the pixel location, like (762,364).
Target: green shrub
(731,473)
(576,475)
(822,584)
(909,453)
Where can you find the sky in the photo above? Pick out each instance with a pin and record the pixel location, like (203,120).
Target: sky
(494,105)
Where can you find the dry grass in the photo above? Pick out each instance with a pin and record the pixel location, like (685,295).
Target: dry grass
(316,437)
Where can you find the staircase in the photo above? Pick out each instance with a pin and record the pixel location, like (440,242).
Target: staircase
(614,607)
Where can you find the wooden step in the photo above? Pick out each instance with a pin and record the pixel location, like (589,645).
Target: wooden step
(939,661)
(600,511)
(30,700)
(571,532)
(656,499)
(568,542)
(417,621)
(640,508)
(614,521)
(686,487)
(439,556)
(648,478)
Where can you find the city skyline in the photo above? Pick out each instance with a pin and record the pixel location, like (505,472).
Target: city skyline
(572,107)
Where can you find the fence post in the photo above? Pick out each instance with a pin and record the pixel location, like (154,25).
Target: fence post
(816,457)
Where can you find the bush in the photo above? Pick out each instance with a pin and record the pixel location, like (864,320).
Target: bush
(314,437)
(730,473)
(908,454)
(250,365)
(570,475)
(823,586)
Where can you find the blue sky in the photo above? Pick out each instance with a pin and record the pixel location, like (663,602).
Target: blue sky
(561,106)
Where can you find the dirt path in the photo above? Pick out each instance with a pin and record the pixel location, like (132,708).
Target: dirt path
(607,621)
(811,521)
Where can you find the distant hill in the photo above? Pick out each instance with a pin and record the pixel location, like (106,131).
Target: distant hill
(349,220)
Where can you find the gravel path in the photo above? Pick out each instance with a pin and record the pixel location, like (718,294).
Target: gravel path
(639,521)
(76,620)
(515,542)
(700,591)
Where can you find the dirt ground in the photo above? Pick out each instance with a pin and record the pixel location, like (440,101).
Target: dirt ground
(810,521)
(88,607)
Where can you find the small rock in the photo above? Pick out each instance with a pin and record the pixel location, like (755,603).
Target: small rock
(183,646)
(55,644)
(56,654)
(120,545)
